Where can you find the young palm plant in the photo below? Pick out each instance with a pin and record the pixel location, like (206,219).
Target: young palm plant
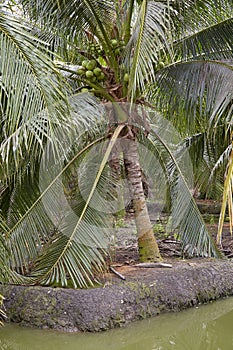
(130,57)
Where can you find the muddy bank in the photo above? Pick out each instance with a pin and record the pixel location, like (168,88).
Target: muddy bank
(145,292)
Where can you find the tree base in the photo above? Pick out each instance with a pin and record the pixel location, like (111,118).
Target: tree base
(148,248)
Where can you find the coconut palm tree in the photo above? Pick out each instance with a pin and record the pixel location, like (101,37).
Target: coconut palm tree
(130,56)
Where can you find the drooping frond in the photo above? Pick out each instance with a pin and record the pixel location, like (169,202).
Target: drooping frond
(222,161)
(195,89)
(72,18)
(204,30)
(211,43)
(209,153)
(29,85)
(4,255)
(75,15)
(75,25)
(54,236)
(185,215)
(78,250)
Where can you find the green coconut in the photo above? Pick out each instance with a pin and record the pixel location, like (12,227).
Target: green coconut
(97,71)
(91,65)
(89,74)
(80,71)
(84,63)
(126,77)
(101,76)
(114,42)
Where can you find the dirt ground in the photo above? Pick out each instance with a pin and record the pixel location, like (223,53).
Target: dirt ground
(123,245)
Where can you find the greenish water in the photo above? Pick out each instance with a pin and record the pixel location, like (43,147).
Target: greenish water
(208,327)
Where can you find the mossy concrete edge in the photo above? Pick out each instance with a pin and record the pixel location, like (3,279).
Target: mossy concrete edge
(101,309)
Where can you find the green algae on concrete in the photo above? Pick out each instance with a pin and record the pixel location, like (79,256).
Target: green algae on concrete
(140,296)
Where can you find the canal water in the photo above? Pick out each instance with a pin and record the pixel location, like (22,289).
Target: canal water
(207,327)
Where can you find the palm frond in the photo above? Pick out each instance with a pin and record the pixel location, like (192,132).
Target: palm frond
(222,161)
(71,19)
(2,313)
(73,253)
(173,165)
(227,198)
(69,13)
(185,216)
(204,30)
(209,155)
(212,43)
(27,223)
(51,242)
(201,88)
(149,38)
(4,256)
(29,84)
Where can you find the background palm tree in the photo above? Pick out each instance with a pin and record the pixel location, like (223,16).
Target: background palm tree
(139,53)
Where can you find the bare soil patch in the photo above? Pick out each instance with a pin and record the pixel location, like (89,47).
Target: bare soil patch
(123,245)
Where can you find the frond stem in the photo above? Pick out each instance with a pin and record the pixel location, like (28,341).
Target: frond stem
(128,21)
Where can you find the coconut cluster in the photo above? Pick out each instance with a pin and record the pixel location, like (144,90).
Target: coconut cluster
(118,46)
(96,50)
(91,71)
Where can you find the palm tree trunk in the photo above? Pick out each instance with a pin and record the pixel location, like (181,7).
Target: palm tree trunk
(147,245)
(115,167)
